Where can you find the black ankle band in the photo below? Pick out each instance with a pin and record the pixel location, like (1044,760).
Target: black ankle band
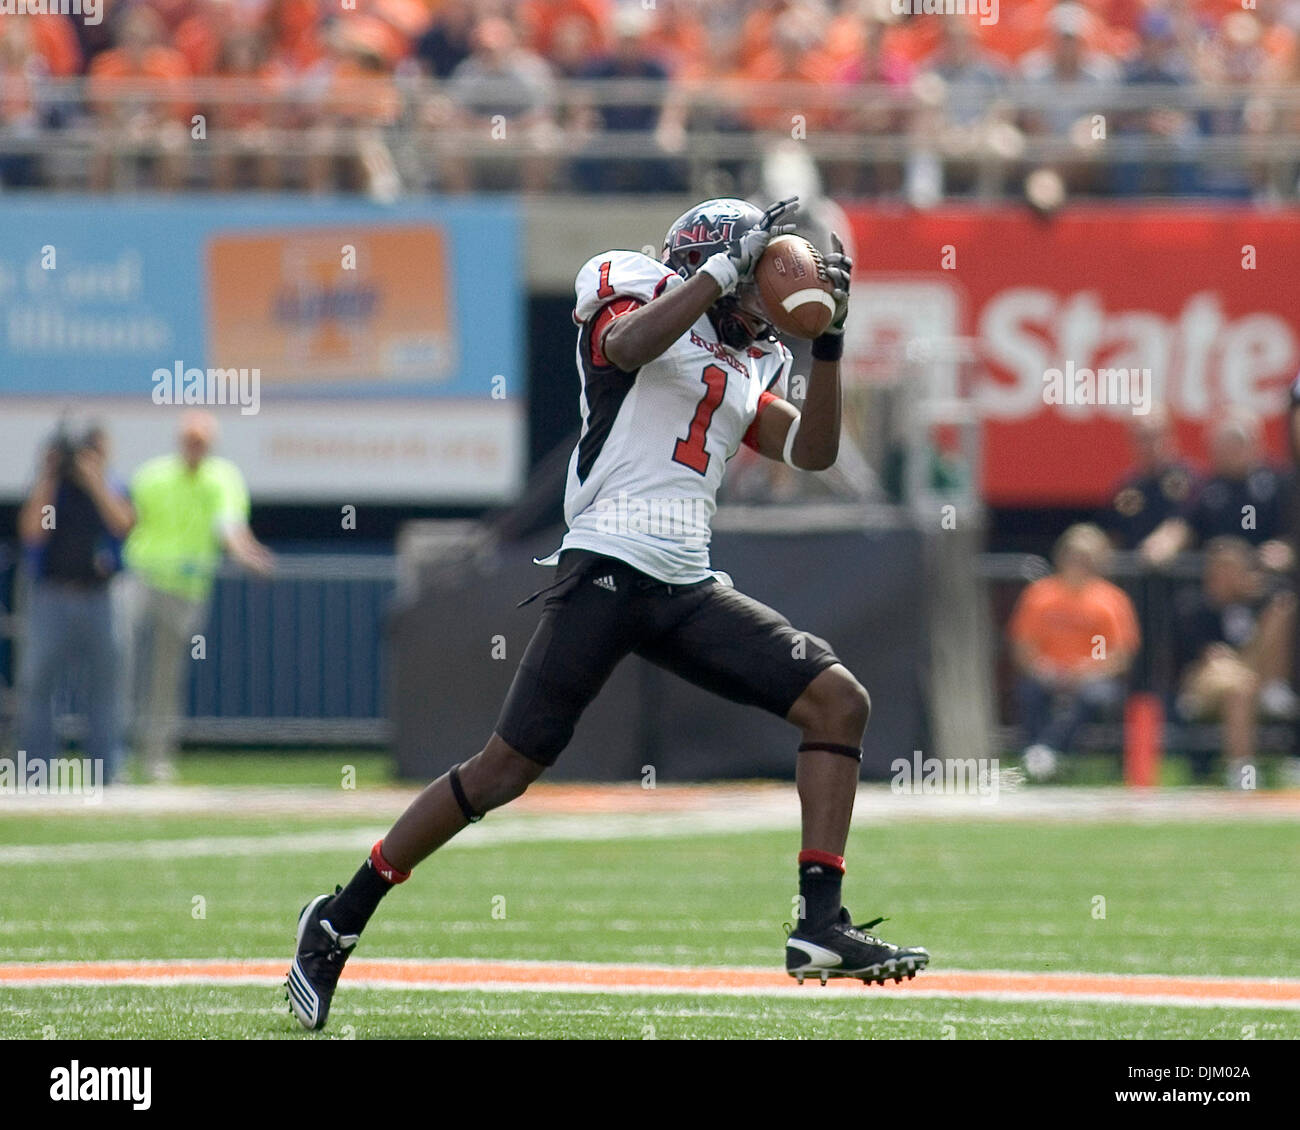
(458,792)
(852,751)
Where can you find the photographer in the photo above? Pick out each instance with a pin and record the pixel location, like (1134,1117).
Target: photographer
(71,527)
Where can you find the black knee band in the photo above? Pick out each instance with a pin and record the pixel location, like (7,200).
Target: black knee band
(453,775)
(852,751)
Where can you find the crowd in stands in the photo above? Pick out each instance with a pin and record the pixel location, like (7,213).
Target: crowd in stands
(318,67)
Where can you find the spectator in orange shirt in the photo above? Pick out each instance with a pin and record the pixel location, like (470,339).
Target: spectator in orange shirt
(201,35)
(680,37)
(1074,636)
(540,21)
(151,129)
(352,90)
(297,38)
(795,56)
(55,37)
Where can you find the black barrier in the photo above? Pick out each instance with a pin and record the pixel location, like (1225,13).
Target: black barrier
(454,646)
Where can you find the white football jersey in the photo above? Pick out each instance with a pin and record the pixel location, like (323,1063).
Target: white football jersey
(644,477)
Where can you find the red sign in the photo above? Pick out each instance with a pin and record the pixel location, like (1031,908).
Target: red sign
(1073,326)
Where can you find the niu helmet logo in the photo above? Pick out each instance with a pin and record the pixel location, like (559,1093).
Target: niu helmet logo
(702,234)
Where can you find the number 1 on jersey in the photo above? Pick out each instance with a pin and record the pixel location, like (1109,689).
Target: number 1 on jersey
(690,451)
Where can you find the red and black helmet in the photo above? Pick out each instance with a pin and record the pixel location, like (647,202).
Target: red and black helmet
(704,230)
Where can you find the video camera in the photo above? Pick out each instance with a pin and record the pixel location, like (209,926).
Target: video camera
(67,444)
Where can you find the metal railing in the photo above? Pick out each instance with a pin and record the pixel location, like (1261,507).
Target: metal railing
(421,131)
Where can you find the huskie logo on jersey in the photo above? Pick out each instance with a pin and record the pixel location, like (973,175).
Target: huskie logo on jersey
(721,352)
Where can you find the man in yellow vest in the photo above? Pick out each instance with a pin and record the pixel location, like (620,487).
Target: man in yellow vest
(191,507)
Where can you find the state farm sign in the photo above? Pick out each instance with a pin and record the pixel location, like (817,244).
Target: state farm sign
(1056,330)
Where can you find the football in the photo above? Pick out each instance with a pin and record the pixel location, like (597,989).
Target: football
(792,280)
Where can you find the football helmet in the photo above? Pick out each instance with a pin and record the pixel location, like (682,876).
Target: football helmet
(704,230)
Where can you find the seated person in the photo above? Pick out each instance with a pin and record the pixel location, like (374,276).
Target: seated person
(1157,488)
(1243,497)
(1233,639)
(1074,636)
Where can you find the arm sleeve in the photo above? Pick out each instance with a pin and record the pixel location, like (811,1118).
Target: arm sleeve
(751,434)
(615,308)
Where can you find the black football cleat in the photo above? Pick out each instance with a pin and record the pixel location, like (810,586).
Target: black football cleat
(841,949)
(322,953)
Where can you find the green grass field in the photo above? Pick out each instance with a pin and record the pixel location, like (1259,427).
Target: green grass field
(1181,898)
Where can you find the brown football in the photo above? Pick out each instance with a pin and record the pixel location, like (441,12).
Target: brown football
(792,280)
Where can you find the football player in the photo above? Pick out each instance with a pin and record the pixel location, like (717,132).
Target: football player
(678,365)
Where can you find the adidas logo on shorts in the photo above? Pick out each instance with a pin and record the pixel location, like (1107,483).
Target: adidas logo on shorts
(606,582)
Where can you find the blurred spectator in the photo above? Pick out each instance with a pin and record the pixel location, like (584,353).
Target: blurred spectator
(758,30)
(147,129)
(1234,639)
(1160,61)
(542,22)
(1067,60)
(190,507)
(448,40)
(1243,497)
(874,61)
(21,70)
(573,46)
(793,57)
(201,35)
(351,88)
(502,93)
(960,61)
(1074,636)
(629,59)
(71,526)
(246,153)
(297,35)
(55,40)
(959,85)
(1233,62)
(1158,488)
(681,36)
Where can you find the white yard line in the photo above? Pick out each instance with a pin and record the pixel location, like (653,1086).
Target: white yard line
(641,978)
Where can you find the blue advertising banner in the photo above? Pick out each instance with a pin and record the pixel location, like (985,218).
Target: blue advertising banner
(342,343)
